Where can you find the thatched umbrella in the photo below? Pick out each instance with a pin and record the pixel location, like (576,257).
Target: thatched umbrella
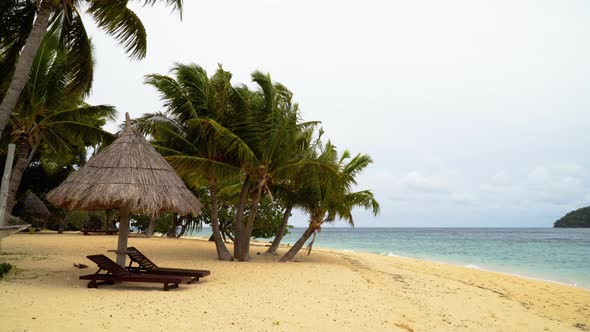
(33,206)
(129,175)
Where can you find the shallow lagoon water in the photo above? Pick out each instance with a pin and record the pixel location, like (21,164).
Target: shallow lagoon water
(554,254)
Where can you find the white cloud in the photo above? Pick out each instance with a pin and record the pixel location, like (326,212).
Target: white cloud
(466,126)
(539,188)
(418,182)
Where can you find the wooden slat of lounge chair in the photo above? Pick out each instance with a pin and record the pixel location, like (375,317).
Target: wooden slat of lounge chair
(115,273)
(147,266)
(168,281)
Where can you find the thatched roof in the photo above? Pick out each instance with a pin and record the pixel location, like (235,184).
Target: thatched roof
(33,206)
(127,172)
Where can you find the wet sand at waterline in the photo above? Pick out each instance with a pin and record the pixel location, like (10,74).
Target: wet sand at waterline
(329,290)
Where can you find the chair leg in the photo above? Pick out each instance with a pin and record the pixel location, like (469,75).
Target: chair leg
(170,286)
(95,284)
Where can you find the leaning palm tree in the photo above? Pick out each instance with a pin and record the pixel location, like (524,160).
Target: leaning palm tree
(112,16)
(228,133)
(51,117)
(268,122)
(289,190)
(16,21)
(329,200)
(189,96)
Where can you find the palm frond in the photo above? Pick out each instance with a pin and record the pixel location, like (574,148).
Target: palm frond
(86,114)
(175,4)
(227,141)
(75,40)
(122,23)
(175,99)
(188,165)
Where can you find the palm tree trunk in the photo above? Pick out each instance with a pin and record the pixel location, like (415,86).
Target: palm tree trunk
(32,154)
(239,221)
(17,172)
(151,227)
(299,244)
(24,64)
(247,232)
(281,232)
(222,253)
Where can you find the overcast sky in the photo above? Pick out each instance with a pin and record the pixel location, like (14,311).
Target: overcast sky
(476,113)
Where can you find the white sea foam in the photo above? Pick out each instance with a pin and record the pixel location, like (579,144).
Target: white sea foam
(471,266)
(347,250)
(390,254)
(542,279)
(475,267)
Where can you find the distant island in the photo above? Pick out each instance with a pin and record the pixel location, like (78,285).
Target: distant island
(576,219)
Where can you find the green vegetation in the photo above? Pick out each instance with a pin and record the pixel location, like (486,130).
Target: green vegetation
(52,122)
(325,201)
(24,24)
(248,147)
(576,219)
(245,152)
(4,268)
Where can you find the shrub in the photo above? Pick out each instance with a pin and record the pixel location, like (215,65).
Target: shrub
(4,268)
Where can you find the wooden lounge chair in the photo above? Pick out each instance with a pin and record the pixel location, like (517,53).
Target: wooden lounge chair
(115,273)
(145,265)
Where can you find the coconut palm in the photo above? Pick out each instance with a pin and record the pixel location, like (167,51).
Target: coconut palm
(328,200)
(226,129)
(16,20)
(190,95)
(264,133)
(229,133)
(288,190)
(51,117)
(268,122)
(114,17)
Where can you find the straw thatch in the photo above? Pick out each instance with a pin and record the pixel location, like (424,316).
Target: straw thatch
(129,172)
(33,206)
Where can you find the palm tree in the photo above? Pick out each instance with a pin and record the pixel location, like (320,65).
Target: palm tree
(263,136)
(51,117)
(189,97)
(289,189)
(16,20)
(268,122)
(112,16)
(228,135)
(327,200)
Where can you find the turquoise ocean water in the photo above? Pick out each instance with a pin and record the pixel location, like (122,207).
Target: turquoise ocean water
(560,255)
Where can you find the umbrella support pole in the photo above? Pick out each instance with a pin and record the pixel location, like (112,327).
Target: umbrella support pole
(123,235)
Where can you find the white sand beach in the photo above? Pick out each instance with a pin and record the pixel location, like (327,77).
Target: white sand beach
(327,291)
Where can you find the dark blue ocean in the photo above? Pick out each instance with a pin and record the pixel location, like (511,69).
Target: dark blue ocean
(561,255)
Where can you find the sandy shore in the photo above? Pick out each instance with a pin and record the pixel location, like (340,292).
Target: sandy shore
(329,290)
